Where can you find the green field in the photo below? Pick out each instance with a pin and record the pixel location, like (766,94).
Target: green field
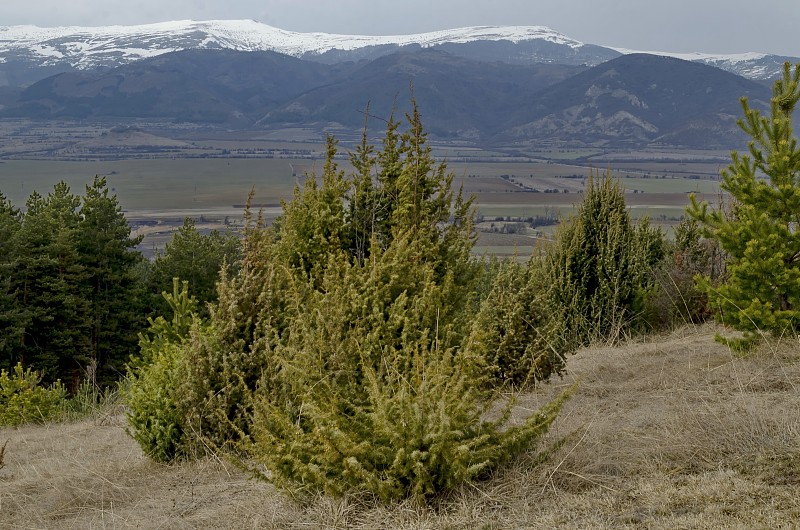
(160,184)
(158,193)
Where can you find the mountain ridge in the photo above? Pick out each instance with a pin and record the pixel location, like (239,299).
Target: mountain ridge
(30,53)
(631,100)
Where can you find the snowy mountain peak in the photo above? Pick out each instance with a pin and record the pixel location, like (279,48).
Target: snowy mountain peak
(29,53)
(87,47)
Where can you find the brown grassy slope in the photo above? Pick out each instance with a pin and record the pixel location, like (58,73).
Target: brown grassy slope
(671,432)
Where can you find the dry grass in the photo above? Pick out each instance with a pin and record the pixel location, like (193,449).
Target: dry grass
(670,432)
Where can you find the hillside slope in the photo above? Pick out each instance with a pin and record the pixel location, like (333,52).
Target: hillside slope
(633,100)
(641,98)
(670,432)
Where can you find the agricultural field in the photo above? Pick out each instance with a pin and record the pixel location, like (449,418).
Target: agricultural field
(162,173)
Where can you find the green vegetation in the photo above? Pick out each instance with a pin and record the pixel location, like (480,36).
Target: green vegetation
(69,293)
(153,379)
(349,352)
(24,400)
(601,266)
(759,229)
(75,294)
(357,347)
(196,258)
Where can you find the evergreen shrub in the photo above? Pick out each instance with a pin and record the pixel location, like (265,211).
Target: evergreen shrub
(24,400)
(600,269)
(343,354)
(151,387)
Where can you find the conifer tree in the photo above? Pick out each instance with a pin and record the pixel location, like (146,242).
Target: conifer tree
(196,258)
(48,284)
(514,332)
(759,232)
(373,386)
(601,265)
(313,223)
(363,214)
(10,317)
(115,290)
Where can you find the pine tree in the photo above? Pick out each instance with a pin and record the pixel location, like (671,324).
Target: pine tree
(759,232)
(11,319)
(196,258)
(115,291)
(46,281)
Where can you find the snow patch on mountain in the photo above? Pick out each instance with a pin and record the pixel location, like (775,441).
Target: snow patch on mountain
(109,46)
(697,56)
(77,43)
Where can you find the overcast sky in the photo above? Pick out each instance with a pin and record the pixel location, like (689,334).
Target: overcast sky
(712,26)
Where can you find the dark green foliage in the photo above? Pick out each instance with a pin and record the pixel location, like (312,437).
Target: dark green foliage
(759,234)
(47,284)
(601,265)
(10,317)
(23,400)
(195,257)
(70,301)
(115,293)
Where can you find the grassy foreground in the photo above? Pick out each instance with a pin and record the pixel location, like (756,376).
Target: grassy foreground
(669,432)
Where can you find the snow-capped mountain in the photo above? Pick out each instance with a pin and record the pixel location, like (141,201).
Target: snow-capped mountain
(83,47)
(30,53)
(752,65)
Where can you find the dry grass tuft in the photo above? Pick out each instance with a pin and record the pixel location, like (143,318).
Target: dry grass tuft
(670,432)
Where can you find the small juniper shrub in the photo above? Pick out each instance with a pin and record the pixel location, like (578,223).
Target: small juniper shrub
(513,331)
(153,381)
(24,400)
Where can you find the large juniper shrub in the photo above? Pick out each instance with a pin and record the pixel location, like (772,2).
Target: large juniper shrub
(601,266)
(344,354)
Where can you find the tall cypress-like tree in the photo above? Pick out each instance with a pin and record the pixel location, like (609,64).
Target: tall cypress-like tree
(115,291)
(760,230)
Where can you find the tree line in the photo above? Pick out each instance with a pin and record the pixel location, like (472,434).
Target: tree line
(74,291)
